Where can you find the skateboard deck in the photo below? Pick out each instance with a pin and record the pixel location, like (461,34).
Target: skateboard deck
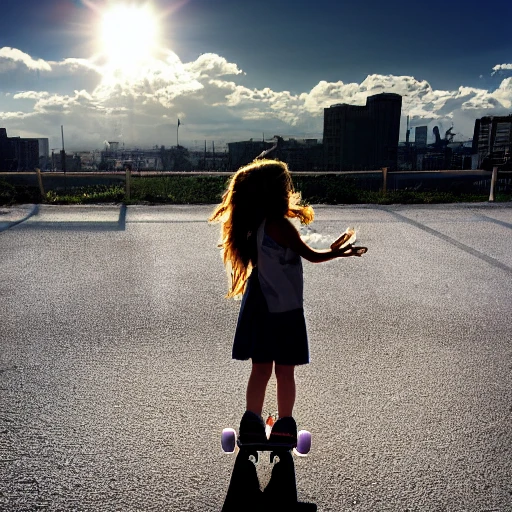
(301,446)
(245,493)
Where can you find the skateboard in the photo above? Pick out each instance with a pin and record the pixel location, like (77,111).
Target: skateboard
(230,440)
(245,492)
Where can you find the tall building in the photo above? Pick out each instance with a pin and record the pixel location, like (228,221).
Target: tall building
(44,148)
(385,110)
(26,152)
(492,140)
(346,138)
(44,153)
(363,137)
(420,137)
(6,152)
(18,154)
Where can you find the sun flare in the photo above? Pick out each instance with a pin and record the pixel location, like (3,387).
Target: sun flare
(129,36)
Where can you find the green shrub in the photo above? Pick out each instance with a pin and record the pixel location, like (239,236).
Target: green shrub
(186,189)
(7,193)
(333,189)
(18,194)
(86,195)
(178,189)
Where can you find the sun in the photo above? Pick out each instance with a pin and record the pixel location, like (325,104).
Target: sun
(129,36)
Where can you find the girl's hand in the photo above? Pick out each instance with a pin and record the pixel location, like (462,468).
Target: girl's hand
(350,250)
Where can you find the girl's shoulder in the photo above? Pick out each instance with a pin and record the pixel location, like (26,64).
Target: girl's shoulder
(281,230)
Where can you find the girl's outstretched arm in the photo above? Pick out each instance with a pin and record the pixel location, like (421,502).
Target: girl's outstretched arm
(285,234)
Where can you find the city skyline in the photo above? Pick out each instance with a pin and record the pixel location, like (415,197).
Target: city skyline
(128,71)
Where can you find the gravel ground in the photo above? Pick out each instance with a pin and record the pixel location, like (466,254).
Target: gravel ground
(116,378)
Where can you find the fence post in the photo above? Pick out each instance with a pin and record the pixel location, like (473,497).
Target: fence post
(40,181)
(127,183)
(494,178)
(384,180)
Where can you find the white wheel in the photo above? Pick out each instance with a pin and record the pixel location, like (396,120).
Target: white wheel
(228,440)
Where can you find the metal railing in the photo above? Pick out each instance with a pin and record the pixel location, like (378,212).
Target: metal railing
(383,177)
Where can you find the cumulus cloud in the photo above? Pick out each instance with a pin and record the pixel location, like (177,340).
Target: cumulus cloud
(77,65)
(7,116)
(210,65)
(141,107)
(11,57)
(500,67)
(31,95)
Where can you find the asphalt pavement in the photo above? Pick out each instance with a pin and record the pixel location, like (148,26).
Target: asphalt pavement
(116,376)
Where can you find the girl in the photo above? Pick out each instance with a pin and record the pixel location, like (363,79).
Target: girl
(262,253)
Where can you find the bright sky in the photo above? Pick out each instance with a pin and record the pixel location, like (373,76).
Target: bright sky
(231,70)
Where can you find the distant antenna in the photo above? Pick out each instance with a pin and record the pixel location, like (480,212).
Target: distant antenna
(63,152)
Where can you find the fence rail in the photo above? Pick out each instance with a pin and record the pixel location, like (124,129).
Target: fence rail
(379,179)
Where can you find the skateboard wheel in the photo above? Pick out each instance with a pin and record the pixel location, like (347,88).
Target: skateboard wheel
(228,440)
(303,442)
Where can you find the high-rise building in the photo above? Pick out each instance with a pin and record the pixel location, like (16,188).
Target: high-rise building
(6,152)
(385,110)
(346,137)
(44,153)
(420,137)
(362,137)
(18,154)
(26,153)
(492,140)
(44,148)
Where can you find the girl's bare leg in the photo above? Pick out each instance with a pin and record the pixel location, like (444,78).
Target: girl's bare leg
(260,375)
(285,375)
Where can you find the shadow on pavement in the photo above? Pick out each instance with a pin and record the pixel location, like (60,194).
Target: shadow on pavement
(4,226)
(93,224)
(244,493)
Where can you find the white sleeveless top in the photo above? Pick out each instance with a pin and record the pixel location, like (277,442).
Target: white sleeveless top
(280,274)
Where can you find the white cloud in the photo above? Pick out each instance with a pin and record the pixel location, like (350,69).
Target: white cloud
(30,95)
(503,94)
(8,116)
(210,65)
(500,67)
(10,57)
(141,107)
(76,65)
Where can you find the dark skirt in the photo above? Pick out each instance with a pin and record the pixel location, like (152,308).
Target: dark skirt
(263,336)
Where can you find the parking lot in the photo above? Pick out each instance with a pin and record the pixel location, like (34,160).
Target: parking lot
(116,375)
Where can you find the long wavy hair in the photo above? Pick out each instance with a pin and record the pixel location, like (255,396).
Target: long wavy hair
(260,190)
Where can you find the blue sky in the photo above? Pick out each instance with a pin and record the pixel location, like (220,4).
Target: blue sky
(231,70)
